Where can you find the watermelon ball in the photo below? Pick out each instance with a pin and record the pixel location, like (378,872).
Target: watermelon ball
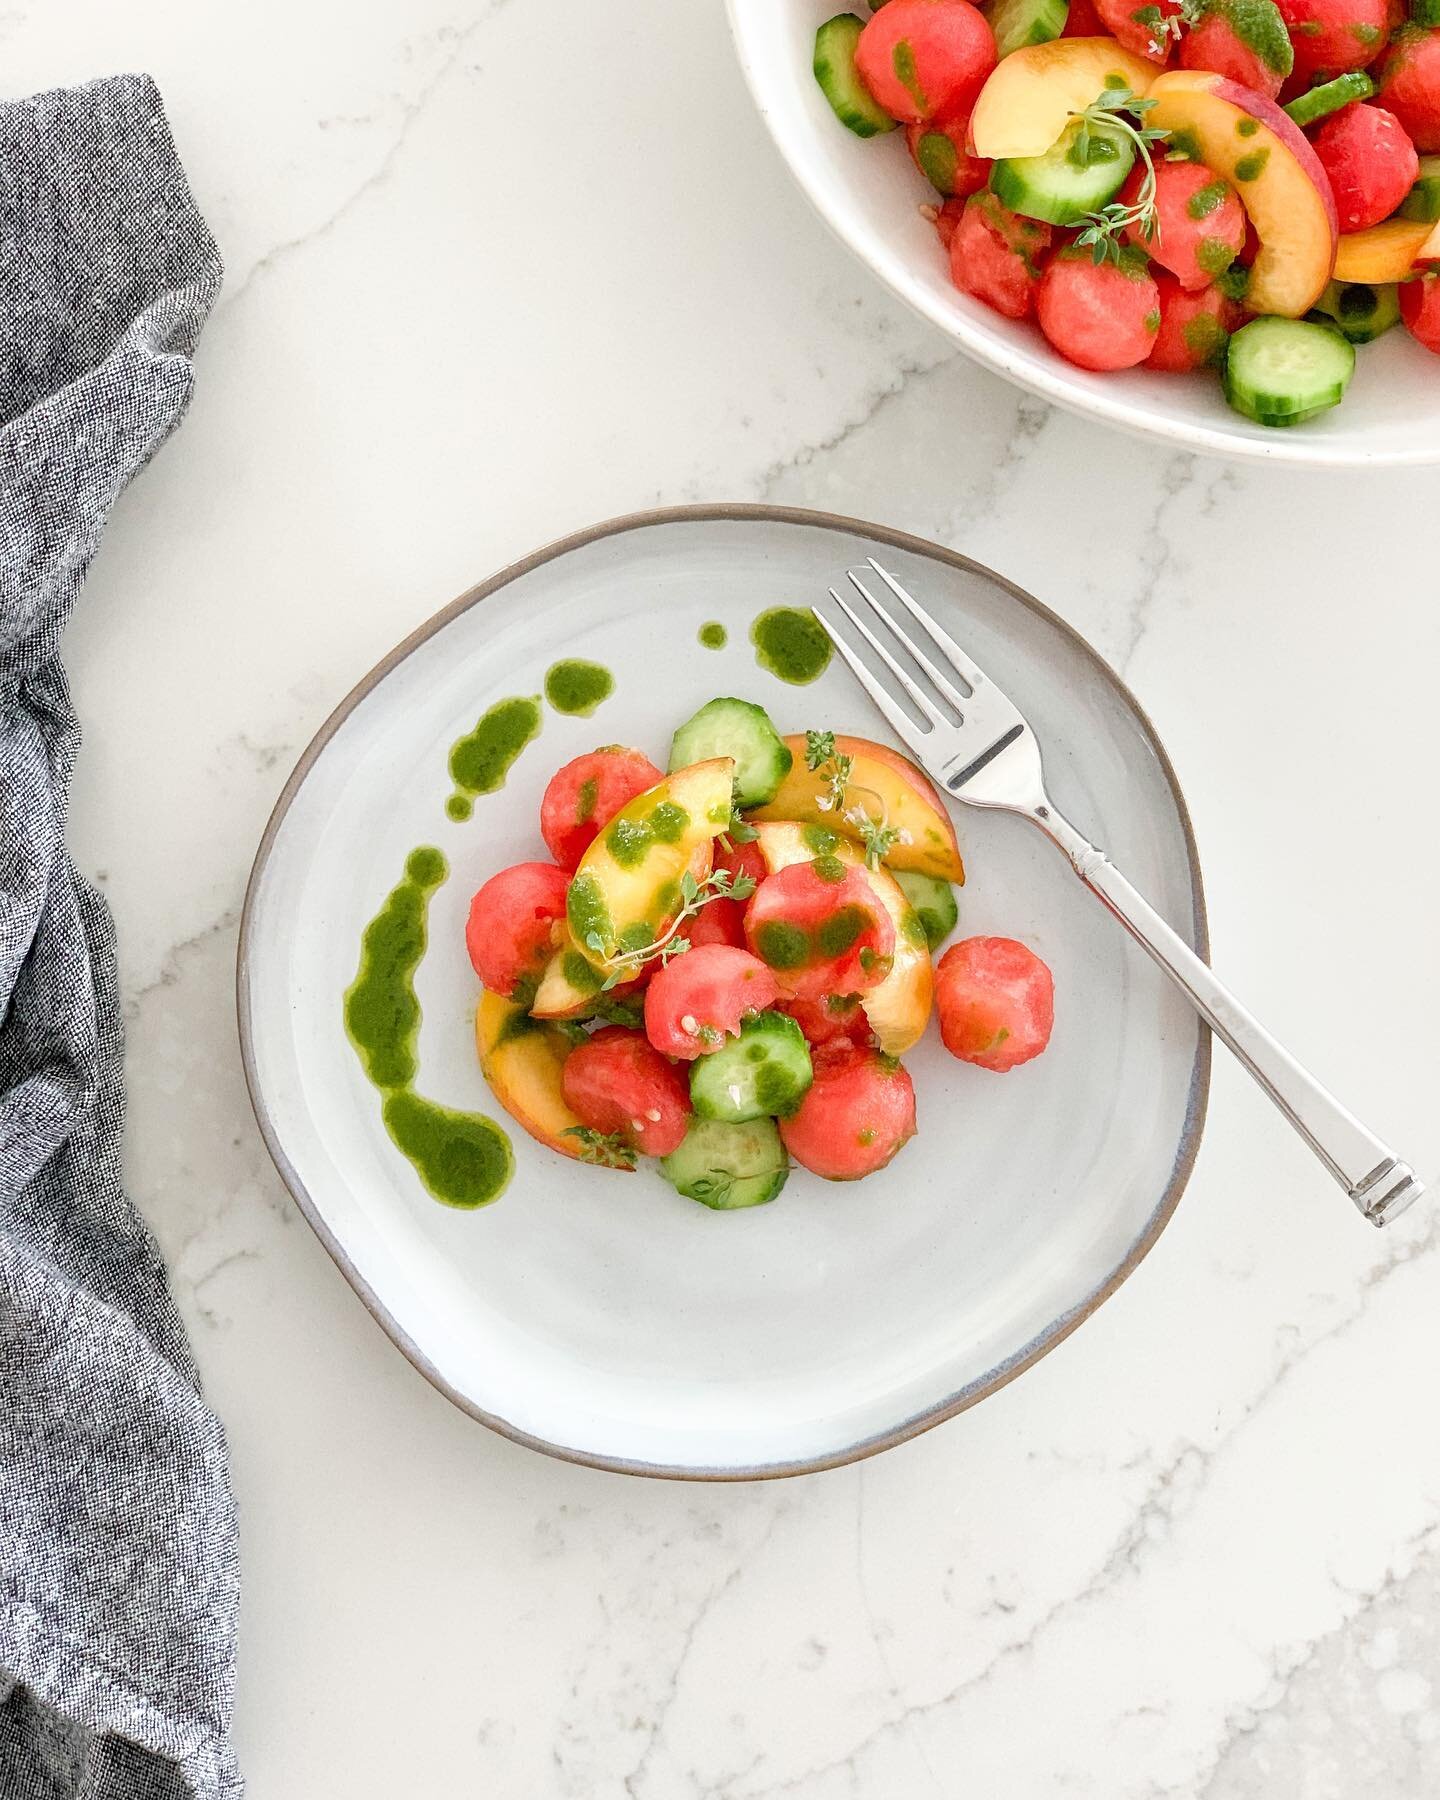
(821,927)
(1420,309)
(1195,326)
(1098,316)
(832,1019)
(925,59)
(1199,221)
(1410,85)
(943,158)
(859,1111)
(618,1084)
(584,796)
(1331,36)
(717,922)
(698,1000)
(995,254)
(1140,27)
(1243,40)
(996,1001)
(1083,20)
(1370,160)
(509,931)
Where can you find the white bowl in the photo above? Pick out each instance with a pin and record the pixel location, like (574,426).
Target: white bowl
(869,193)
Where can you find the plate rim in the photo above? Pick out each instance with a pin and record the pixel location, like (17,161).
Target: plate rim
(739,512)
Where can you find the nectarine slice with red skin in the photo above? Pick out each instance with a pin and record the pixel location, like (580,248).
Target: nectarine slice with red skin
(880,777)
(1385,252)
(1035,92)
(522,1061)
(1266,158)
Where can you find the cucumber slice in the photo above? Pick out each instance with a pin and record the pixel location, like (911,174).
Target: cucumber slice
(1284,371)
(1425,12)
(1423,200)
(1017,23)
(726,1167)
(765,1070)
(1075,177)
(840,81)
(1363,313)
(1329,97)
(933,901)
(740,729)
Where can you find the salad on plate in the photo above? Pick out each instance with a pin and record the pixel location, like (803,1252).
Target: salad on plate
(1250,187)
(722,964)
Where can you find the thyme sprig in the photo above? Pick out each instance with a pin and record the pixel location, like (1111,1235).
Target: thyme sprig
(610,1150)
(878,836)
(719,884)
(1163,26)
(1104,231)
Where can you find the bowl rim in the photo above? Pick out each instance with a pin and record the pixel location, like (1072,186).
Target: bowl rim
(1053,381)
(1044,1341)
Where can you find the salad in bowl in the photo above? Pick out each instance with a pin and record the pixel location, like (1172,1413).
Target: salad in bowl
(1250,187)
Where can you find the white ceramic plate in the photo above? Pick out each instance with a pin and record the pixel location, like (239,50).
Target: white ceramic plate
(869,193)
(601,1316)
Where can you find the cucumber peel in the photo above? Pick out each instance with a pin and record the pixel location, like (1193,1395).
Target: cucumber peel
(839,79)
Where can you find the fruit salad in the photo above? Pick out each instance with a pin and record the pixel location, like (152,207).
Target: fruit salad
(723,964)
(1250,187)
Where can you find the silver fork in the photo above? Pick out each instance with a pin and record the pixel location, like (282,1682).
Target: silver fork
(980,749)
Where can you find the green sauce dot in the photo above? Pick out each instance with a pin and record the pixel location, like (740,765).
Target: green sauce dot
(578,687)
(459,807)
(791,644)
(713,635)
(782,945)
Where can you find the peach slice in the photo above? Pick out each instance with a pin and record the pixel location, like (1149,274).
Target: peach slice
(1384,252)
(522,1061)
(626,890)
(1429,251)
(1031,94)
(909,802)
(898,1010)
(1251,142)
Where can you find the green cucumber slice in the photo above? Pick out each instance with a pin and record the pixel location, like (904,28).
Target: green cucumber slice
(1075,177)
(1363,313)
(933,902)
(726,1167)
(1423,200)
(1284,371)
(840,81)
(742,730)
(765,1070)
(1425,12)
(1017,23)
(1329,97)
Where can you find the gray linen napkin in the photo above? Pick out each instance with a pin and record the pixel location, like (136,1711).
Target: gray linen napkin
(118,1573)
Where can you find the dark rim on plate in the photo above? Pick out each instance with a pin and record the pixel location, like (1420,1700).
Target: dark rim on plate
(1045,1341)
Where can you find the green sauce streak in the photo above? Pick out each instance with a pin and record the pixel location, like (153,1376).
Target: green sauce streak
(480,761)
(840,930)
(586,910)
(902,60)
(1204,200)
(463,1159)
(713,635)
(578,687)
(791,644)
(820,838)
(782,945)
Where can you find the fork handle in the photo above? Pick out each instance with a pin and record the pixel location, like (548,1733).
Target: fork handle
(1376,1180)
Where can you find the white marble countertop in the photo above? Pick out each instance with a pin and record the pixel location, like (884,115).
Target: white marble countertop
(495,274)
